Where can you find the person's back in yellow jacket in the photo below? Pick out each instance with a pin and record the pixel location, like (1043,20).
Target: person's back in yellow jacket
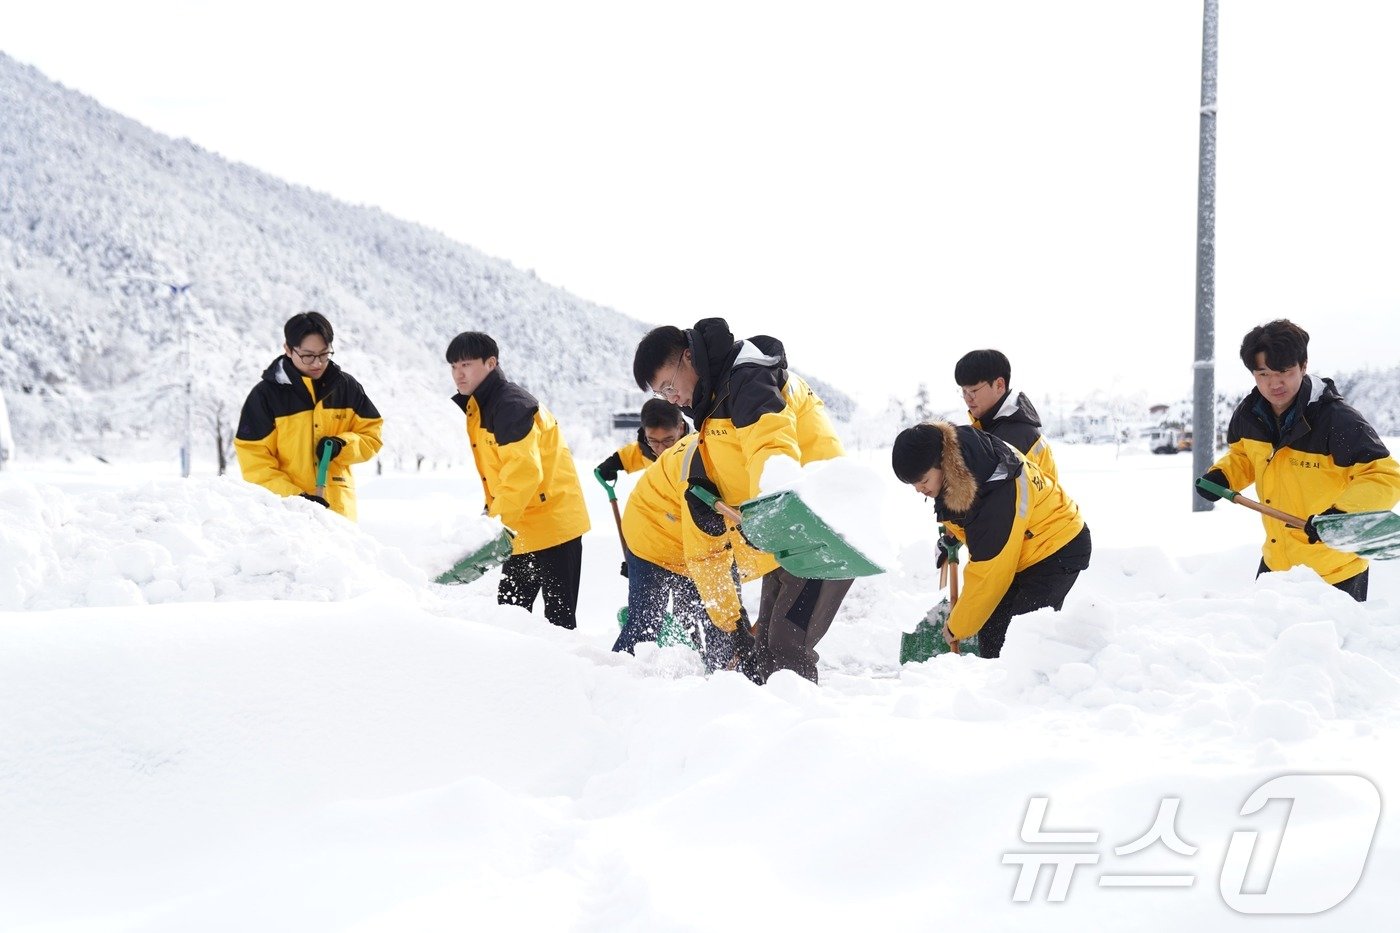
(528,478)
(303,403)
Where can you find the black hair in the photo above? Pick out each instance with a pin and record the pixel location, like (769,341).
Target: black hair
(472,345)
(659,413)
(982,366)
(1283,343)
(308,322)
(916,451)
(660,346)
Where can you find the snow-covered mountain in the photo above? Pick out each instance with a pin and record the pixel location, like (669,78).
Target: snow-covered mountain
(99,216)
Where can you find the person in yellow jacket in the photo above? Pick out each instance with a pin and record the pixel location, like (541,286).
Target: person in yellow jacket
(528,476)
(748,408)
(1026,541)
(985,379)
(662,425)
(1307,452)
(683,553)
(304,404)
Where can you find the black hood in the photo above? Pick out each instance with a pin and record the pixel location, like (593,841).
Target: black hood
(714,351)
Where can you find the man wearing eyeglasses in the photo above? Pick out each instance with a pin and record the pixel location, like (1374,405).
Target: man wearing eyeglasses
(748,408)
(985,379)
(304,405)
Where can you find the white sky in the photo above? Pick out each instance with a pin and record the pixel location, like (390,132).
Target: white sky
(882,185)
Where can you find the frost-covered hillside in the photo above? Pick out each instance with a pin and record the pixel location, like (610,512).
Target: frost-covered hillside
(98,215)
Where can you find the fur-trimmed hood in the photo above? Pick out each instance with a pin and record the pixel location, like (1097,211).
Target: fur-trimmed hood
(972,460)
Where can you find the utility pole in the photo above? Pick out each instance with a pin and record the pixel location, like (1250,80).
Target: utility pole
(1203,392)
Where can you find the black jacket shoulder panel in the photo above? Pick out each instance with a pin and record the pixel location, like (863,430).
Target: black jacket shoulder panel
(1019,434)
(509,412)
(754,391)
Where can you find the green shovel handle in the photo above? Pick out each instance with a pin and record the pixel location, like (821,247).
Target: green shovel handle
(610,487)
(1223,492)
(714,502)
(324,467)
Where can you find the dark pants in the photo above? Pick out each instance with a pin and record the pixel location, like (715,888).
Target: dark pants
(651,590)
(793,615)
(1355,587)
(1041,584)
(556,570)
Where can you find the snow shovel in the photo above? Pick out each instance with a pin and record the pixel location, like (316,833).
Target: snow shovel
(617,515)
(926,641)
(475,565)
(786,527)
(672,632)
(1374,535)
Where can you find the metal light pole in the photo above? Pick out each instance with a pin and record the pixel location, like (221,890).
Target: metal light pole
(1203,393)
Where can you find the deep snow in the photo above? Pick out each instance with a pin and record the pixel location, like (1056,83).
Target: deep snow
(222,711)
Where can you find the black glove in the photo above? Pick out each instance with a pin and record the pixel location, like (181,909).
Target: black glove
(334,443)
(706,518)
(316,499)
(1310,529)
(624,568)
(610,467)
(1217,477)
(946,544)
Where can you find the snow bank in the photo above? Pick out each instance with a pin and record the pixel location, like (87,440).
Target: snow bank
(194,541)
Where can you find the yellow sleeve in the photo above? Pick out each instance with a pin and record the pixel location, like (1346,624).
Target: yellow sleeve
(257,457)
(632,457)
(985,582)
(362,441)
(773,433)
(1371,487)
(1236,466)
(709,562)
(518,485)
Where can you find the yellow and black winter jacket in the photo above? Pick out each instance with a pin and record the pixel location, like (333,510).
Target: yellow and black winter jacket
(1320,455)
(1016,421)
(1008,513)
(747,407)
(285,417)
(527,471)
(665,525)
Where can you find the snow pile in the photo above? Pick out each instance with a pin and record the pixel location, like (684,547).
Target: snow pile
(846,493)
(382,762)
(193,541)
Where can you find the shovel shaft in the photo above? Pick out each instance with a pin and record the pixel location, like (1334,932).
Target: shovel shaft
(719,505)
(322,470)
(1249,503)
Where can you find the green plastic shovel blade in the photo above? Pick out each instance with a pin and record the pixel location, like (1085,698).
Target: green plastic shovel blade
(926,641)
(805,546)
(473,566)
(1375,535)
(672,632)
